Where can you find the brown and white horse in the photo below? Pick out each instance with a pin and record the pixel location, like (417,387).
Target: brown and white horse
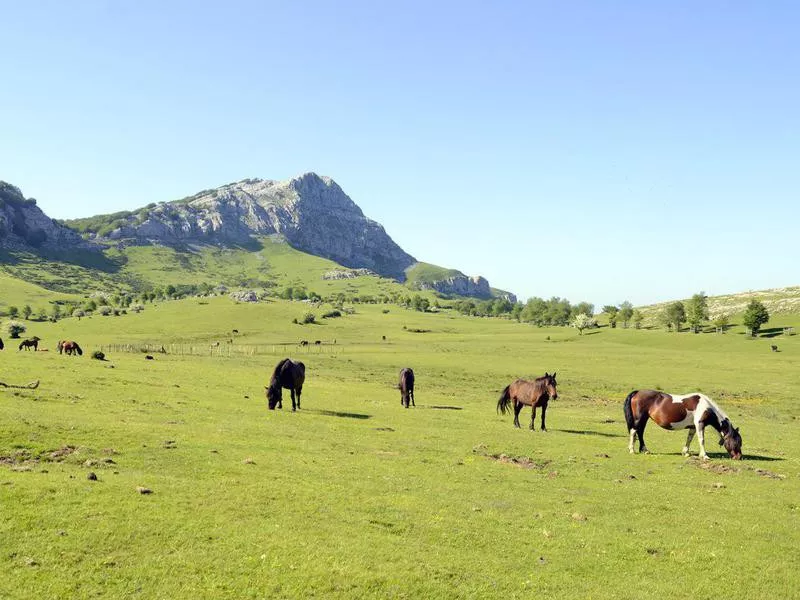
(688,411)
(534,393)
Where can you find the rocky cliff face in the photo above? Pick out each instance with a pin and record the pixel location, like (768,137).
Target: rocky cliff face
(311,212)
(23,225)
(460,285)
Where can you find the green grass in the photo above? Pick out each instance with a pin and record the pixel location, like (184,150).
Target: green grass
(356,497)
(423,272)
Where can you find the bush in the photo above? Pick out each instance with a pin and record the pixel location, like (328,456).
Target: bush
(78,313)
(137,308)
(105,310)
(332,314)
(97,355)
(309,318)
(15,328)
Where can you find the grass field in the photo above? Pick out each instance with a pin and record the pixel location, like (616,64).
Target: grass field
(354,496)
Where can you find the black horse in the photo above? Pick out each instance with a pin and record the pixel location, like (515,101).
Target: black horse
(288,374)
(1,344)
(406,387)
(30,343)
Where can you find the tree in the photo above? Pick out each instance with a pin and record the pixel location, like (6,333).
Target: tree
(625,313)
(721,321)
(584,308)
(582,321)
(612,312)
(638,317)
(755,315)
(674,315)
(15,328)
(55,312)
(697,311)
(27,311)
(13,312)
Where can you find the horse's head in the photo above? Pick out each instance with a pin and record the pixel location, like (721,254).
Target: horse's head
(732,442)
(550,383)
(273,395)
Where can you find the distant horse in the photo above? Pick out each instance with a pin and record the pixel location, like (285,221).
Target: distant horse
(774,348)
(69,348)
(534,393)
(31,342)
(1,344)
(288,374)
(406,387)
(688,411)
(304,342)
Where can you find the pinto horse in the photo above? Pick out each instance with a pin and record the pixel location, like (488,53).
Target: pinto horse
(534,393)
(688,411)
(406,387)
(288,374)
(69,347)
(30,343)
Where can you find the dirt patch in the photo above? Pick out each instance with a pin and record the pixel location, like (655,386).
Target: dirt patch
(26,457)
(524,462)
(715,467)
(62,453)
(769,474)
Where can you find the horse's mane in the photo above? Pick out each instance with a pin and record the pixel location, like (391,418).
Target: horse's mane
(276,373)
(540,385)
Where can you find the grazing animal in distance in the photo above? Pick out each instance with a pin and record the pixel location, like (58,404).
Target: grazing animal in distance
(687,411)
(148,357)
(1,344)
(235,331)
(406,387)
(288,374)
(318,342)
(383,337)
(69,347)
(774,348)
(30,343)
(304,342)
(535,394)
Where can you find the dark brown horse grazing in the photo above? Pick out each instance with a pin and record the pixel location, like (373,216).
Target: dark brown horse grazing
(534,393)
(406,387)
(30,342)
(1,344)
(288,374)
(672,411)
(69,347)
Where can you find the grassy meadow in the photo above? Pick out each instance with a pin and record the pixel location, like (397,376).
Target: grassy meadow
(354,496)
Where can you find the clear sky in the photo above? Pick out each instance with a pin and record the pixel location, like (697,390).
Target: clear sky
(598,151)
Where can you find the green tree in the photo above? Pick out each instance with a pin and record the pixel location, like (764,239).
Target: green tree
(612,312)
(27,311)
(582,321)
(674,315)
(583,308)
(13,312)
(697,311)
(625,313)
(638,317)
(755,315)
(721,321)
(15,328)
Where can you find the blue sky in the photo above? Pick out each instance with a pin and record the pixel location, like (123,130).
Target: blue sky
(598,151)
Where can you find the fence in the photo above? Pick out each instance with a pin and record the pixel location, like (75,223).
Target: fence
(223,350)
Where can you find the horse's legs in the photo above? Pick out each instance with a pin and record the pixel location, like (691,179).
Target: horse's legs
(411,394)
(689,439)
(299,391)
(294,406)
(640,425)
(702,441)
(632,440)
(533,417)
(544,412)
(517,408)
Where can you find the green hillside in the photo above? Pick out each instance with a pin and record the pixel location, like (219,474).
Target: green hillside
(423,272)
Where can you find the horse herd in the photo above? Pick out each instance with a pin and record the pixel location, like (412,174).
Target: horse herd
(693,412)
(68,347)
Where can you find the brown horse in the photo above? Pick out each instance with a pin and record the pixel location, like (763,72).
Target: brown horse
(288,374)
(30,342)
(69,347)
(672,411)
(406,387)
(534,393)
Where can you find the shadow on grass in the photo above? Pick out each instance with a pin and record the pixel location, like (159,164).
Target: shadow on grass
(771,332)
(589,432)
(723,456)
(336,413)
(442,407)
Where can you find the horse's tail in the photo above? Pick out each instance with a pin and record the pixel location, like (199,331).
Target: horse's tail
(505,400)
(629,420)
(60,346)
(78,348)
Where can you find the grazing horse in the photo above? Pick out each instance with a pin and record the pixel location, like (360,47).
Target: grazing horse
(288,374)
(406,387)
(534,393)
(1,344)
(69,348)
(688,411)
(34,341)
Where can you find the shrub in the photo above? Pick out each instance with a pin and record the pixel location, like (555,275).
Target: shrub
(105,310)
(97,355)
(309,318)
(15,328)
(332,314)
(385,311)
(78,313)
(137,308)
